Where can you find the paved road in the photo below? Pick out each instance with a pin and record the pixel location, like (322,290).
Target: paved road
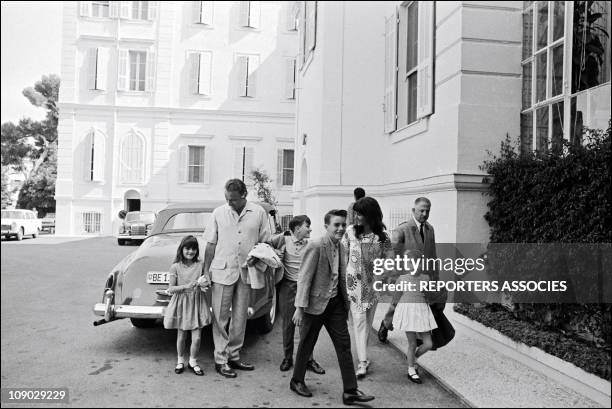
(49,285)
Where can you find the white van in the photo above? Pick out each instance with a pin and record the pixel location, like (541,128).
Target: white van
(19,222)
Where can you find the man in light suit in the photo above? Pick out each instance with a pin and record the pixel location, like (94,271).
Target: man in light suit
(322,300)
(416,234)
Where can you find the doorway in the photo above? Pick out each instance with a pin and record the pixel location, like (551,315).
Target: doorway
(132,201)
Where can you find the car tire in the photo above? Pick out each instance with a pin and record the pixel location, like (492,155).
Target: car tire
(266,322)
(143,322)
(35,235)
(121,242)
(19,235)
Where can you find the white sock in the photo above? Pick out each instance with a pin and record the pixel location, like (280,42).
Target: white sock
(180,360)
(193,362)
(411,370)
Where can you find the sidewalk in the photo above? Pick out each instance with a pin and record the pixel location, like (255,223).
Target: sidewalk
(483,376)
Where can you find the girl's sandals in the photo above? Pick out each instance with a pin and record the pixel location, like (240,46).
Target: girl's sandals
(414,377)
(179,368)
(197,370)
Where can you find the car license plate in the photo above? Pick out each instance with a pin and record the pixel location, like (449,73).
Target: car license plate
(157,277)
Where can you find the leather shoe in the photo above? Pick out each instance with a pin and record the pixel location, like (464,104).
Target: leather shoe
(351,398)
(243,366)
(300,388)
(315,367)
(225,370)
(286,364)
(383,332)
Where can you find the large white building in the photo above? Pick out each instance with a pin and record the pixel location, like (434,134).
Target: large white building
(405,99)
(165,101)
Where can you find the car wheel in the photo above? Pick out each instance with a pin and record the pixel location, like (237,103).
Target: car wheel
(143,322)
(20,234)
(266,322)
(35,235)
(121,242)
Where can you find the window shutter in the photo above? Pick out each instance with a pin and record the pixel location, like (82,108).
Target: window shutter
(87,157)
(425,80)
(302,32)
(122,75)
(150,84)
(238,162)
(101,68)
(125,10)
(194,79)
(204,74)
(279,168)
(207,167)
(114,9)
(290,79)
(243,62)
(182,163)
(248,161)
(254,14)
(252,73)
(152,10)
(207,12)
(98,157)
(198,12)
(244,14)
(390,72)
(311,20)
(92,67)
(85,8)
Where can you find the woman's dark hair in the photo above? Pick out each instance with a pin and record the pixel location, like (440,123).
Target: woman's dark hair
(189,242)
(358,193)
(369,208)
(297,221)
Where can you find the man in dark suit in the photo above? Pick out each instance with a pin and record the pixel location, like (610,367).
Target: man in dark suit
(416,234)
(322,300)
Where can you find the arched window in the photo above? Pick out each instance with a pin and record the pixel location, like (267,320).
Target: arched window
(132,158)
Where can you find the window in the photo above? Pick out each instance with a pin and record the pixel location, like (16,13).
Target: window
(136,70)
(290,78)
(247,75)
(243,162)
(284,221)
(292,16)
(561,78)
(132,159)
(140,10)
(201,73)
(409,52)
(285,167)
(249,14)
(196,164)
(309,30)
(91,222)
(94,146)
(98,61)
(100,8)
(203,12)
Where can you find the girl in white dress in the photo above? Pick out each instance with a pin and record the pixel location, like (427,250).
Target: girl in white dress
(413,315)
(188,309)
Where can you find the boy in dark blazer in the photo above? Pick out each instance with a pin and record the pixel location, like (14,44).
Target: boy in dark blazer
(322,300)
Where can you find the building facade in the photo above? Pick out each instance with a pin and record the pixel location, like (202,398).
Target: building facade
(163,102)
(405,99)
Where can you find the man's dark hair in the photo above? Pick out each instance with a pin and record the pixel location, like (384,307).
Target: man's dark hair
(422,199)
(297,221)
(334,212)
(236,185)
(358,193)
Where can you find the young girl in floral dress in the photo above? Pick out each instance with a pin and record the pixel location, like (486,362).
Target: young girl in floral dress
(188,310)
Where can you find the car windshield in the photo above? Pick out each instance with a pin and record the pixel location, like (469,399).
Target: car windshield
(187,221)
(12,214)
(147,218)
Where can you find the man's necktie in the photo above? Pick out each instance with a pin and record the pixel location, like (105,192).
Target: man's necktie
(421,233)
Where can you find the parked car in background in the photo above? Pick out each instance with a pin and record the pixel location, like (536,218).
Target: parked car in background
(48,223)
(136,288)
(20,222)
(135,226)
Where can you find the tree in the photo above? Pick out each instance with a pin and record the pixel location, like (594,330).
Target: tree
(39,190)
(6,190)
(262,184)
(27,146)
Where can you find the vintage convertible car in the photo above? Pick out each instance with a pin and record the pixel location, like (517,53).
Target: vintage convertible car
(136,286)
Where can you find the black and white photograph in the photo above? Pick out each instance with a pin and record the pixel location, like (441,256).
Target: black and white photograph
(306,204)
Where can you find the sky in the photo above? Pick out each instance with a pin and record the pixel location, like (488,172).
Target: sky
(31,48)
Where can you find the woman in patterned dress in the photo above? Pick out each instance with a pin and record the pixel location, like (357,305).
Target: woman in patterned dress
(364,242)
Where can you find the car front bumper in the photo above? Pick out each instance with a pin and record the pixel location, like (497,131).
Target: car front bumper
(132,237)
(130,311)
